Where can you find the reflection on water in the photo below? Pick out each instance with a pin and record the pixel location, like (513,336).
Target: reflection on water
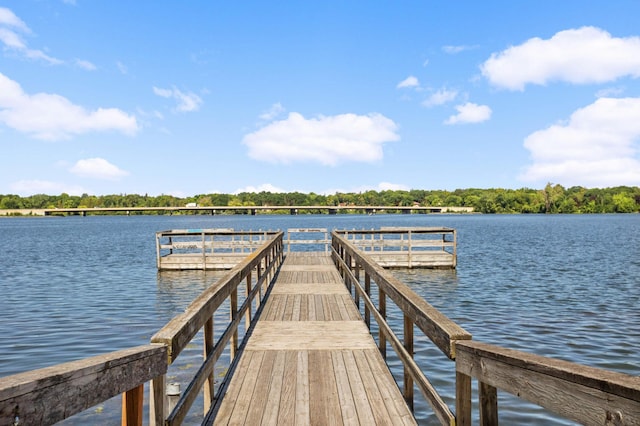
(560,286)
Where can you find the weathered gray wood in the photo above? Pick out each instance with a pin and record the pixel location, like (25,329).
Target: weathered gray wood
(51,394)
(157,401)
(488,397)
(463,400)
(181,329)
(440,408)
(323,371)
(435,325)
(584,394)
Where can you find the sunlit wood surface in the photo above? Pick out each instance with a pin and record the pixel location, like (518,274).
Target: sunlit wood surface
(311,359)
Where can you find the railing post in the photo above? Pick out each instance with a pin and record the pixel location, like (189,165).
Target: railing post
(234,313)
(248,314)
(204,252)
(408,345)
(209,391)
(367,289)
(463,399)
(488,396)
(382,301)
(410,250)
(132,405)
(357,295)
(157,401)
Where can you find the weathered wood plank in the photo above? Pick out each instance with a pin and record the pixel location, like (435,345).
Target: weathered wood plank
(323,390)
(309,335)
(361,400)
(51,394)
(271,409)
(303,413)
(584,394)
(260,394)
(287,410)
(345,392)
(396,405)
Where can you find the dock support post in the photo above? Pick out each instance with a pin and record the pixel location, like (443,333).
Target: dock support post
(367,289)
(408,345)
(209,391)
(463,399)
(234,314)
(132,404)
(382,300)
(158,401)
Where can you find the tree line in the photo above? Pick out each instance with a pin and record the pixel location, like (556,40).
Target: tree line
(550,199)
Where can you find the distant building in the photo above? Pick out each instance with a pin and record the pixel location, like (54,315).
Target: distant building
(192,205)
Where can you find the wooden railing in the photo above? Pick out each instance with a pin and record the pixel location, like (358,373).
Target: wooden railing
(310,237)
(587,395)
(206,248)
(52,394)
(398,247)
(180,331)
(443,332)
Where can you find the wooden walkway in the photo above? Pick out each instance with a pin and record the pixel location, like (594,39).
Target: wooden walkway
(310,358)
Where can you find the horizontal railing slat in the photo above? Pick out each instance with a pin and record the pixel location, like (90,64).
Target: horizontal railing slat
(51,394)
(584,394)
(434,324)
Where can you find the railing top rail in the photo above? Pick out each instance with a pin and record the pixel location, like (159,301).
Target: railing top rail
(397,230)
(77,385)
(178,332)
(615,383)
(214,231)
(442,330)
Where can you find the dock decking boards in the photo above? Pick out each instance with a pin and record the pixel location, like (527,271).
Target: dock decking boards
(310,359)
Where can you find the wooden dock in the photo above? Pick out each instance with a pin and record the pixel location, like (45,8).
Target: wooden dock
(297,332)
(221,249)
(311,359)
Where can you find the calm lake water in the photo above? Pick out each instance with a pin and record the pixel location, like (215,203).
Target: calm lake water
(560,286)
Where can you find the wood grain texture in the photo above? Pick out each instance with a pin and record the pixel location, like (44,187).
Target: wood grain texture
(320,365)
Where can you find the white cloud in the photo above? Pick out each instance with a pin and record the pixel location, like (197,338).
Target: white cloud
(266,187)
(326,140)
(186,102)
(9,19)
(452,50)
(51,117)
(579,56)
(440,97)
(408,82)
(388,186)
(31,187)
(382,186)
(273,112)
(85,65)
(122,67)
(97,168)
(9,24)
(598,146)
(610,92)
(470,113)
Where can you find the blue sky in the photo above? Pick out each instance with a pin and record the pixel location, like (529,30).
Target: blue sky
(185,98)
